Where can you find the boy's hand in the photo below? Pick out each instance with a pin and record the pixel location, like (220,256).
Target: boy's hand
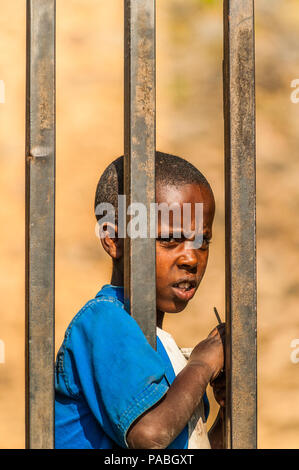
(219,382)
(210,352)
(219,389)
(158,427)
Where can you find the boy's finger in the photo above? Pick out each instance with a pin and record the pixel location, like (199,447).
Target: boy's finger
(219,328)
(214,332)
(221,331)
(220,381)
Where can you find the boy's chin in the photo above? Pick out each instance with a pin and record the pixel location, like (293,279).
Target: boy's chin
(173,307)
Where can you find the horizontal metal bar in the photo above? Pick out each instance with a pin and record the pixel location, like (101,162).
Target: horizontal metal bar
(40,223)
(240,169)
(140,144)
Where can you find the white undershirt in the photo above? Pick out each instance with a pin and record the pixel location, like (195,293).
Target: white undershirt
(198,437)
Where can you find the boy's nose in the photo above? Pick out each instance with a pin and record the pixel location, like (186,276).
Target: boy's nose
(188,261)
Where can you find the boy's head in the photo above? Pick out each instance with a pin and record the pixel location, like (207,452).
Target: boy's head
(179,265)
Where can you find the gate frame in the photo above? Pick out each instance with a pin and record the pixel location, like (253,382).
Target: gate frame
(140,145)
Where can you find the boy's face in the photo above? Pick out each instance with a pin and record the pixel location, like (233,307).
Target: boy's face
(180,267)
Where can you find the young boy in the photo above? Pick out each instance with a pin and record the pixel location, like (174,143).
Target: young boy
(112,388)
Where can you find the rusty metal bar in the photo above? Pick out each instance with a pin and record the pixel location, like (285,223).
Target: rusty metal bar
(140,144)
(240,197)
(40,220)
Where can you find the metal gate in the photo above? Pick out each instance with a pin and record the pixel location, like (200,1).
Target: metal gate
(140,144)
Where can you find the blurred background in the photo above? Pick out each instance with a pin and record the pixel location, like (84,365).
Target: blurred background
(189,124)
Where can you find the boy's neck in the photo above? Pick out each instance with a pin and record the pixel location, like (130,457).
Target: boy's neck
(160,318)
(117,278)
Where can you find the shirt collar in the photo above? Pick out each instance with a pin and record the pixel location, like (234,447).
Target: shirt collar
(112,291)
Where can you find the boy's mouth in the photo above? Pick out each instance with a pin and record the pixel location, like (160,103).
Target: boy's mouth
(184,289)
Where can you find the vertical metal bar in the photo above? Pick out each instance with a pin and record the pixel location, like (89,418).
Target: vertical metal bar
(140,145)
(40,220)
(240,167)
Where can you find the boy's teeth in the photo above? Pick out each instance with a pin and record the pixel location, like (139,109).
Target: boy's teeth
(184,285)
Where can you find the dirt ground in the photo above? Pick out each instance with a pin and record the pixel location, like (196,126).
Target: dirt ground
(190,124)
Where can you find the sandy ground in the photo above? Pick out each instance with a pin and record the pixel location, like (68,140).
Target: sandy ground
(189,123)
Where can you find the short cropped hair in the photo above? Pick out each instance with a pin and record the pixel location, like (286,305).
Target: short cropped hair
(170,171)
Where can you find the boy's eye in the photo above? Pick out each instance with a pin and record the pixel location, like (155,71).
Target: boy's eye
(172,241)
(168,239)
(205,243)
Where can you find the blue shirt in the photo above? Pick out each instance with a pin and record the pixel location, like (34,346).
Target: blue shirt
(106,376)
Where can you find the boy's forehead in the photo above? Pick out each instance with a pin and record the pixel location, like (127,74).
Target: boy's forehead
(191,193)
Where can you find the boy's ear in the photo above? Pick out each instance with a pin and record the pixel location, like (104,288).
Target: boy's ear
(110,241)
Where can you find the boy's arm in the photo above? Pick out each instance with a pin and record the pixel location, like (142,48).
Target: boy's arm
(159,426)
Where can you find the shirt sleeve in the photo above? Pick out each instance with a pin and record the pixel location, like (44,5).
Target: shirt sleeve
(119,374)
